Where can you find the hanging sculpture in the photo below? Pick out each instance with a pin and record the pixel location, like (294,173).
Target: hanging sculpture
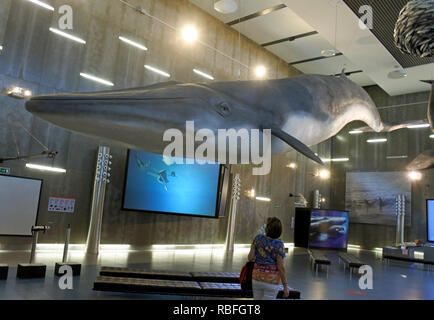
(301,111)
(414,31)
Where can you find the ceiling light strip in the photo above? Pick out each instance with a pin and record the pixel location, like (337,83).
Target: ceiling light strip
(314,59)
(44,168)
(67,35)
(165,74)
(133,43)
(203,74)
(42,4)
(418,126)
(96,79)
(298,36)
(355,132)
(376,140)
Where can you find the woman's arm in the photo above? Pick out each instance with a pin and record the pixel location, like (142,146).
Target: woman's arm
(252,257)
(282,273)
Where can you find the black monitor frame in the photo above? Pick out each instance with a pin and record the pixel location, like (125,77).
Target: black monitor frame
(219,198)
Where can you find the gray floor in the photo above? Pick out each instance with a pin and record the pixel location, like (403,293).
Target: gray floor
(398,280)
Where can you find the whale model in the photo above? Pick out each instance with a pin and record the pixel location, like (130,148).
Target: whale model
(301,111)
(425,160)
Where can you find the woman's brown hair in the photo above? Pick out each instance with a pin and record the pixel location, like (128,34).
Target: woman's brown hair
(273,228)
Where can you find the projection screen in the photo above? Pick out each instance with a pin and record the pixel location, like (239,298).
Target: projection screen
(19,202)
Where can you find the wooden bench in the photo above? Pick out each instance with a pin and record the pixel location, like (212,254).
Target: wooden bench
(351,261)
(318,258)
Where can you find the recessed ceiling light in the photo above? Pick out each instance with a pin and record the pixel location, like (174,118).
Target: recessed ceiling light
(323,174)
(414,175)
(133,43)
(189,34)
(225,6)
(260,71)
(418,126)
(96,79)
(376,140)
(292,165)
(328,53)
(44,168)
(397,74)
(1,48)
(42,4)
(66,35)
(165,74)
(203,74)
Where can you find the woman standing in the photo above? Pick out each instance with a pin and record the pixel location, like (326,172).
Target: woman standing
(268,252)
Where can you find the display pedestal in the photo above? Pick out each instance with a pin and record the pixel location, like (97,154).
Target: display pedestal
(76,268)
(4,269)
(31,270)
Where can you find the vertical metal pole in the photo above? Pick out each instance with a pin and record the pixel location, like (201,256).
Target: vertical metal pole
(65,248)
(230,233)
(98,196)
(34,242)
(398,219)
(317,200)
(402,218)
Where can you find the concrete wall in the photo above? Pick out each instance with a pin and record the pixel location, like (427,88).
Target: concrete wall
(43,62)
(370,158)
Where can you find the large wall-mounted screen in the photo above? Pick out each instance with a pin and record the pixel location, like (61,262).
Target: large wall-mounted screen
(155,183)
(430,219)
(328,229)
(19,203)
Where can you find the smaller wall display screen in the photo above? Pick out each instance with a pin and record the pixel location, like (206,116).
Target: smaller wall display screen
(328,229)
(430,219)
(155,183)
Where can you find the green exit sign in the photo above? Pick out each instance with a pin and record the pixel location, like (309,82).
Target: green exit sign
(5,170)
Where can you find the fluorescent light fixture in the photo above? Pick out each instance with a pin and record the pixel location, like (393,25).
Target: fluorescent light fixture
(44,168)
(396,157)
(67,35)
(355,132)
(42,4)
(263,199)
(93,78)
(432,136)
(165,74)
(376,140)
(133,43)
(336,160)
(203,74)
(418,126)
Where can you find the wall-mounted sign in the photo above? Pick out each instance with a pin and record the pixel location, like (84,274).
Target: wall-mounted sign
(60,204)
(5,170)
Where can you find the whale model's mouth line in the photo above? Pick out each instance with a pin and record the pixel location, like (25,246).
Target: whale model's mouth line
(42,99)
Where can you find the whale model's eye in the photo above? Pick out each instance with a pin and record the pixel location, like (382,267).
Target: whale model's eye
(223,109)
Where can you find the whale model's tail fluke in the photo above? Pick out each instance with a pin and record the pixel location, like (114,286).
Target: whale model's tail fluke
(295,143)
(390,126)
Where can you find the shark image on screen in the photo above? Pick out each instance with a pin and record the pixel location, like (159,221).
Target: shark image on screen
(430,219)
(156,183)
(328,229)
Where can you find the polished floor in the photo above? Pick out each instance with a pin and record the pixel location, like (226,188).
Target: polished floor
(397,280)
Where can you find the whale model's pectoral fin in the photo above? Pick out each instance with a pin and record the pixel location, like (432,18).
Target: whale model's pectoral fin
(295,143)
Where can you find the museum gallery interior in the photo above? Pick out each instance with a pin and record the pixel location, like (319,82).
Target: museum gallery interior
(145,144)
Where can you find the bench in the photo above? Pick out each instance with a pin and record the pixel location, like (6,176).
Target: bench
(4,268)
(351,261)
(317,258)
(144,274)
(169,287)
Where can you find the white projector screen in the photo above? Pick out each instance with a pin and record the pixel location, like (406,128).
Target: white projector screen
(19,201)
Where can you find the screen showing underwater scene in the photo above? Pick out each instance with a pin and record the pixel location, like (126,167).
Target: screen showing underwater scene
(156,183)
(430,218)
(328,229)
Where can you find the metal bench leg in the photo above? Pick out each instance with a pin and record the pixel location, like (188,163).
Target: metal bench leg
(327,271)
(351,273)
(345,267)
(317,269)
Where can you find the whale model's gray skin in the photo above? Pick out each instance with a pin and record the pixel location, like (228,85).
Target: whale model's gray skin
(431,104)
(423,161)
(300,111)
